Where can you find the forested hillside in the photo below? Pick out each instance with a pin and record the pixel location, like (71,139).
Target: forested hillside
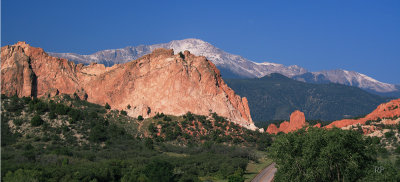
(275,96)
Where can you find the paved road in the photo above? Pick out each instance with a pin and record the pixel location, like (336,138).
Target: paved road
(266,175)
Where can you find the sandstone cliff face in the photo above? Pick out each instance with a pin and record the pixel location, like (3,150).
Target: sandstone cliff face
(297,121)
(157,82)
(387,110)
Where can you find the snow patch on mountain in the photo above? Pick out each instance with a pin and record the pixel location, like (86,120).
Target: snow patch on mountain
(235,64)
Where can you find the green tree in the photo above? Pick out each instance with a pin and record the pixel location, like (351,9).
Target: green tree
(107,106)
(23,175)
(322,155)
(140,118)
(237,176)
(36,120)
(158,170)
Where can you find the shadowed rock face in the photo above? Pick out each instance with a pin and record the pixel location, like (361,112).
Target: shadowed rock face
(157,82)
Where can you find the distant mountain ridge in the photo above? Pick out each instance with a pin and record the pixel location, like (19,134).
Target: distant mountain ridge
(235,66)
(275,96)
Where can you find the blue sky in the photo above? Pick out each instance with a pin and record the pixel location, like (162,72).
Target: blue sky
(363,36)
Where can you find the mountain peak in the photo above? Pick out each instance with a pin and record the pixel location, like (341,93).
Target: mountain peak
(159,82)
(231,65)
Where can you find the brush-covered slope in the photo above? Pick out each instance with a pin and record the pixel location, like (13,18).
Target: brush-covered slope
(63,138)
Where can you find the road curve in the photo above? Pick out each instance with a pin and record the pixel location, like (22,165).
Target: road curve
(266,175)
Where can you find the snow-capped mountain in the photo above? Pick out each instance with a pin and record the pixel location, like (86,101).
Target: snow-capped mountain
(233,66)
(345,77)
(230,64)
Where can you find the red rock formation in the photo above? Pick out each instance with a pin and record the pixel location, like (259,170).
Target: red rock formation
(272,129)
(297,121)
(318,125)
(157,82)
(386,110)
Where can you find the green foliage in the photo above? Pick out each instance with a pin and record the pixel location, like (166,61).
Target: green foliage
(397,150)
(7,137)
(15,105)
(275,97)
(18,122)
(98,132)
(181,55)
(322,155)
(61,109)
(188,116)
(36,120)
(159,170)
(124,112)
(389,134)
(382,172)
(91,145)
(107,106)
(23,175)
(237,176)
(140,118)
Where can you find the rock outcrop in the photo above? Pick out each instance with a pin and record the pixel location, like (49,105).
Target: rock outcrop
(157,82)
(387,110)
(297,121)
(386,114)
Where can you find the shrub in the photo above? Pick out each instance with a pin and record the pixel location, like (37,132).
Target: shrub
(107,106)
(166,118)
(41,107)
(52,115)
(160,171)
(18,122)
(389,134)
(140,118)
(98,134)
(36,120)
(188,116)
(23,175)
(397,150)
(61,109)
(124,112)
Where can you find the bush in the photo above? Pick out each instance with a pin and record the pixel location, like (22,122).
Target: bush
(18,122)
(140,118)
(389,134)
(61,109)
(158,170)
(189,116)
(36,120)
(41,107)
(124,112)
(166,118)
(23,175)
(52,115)
(107,106)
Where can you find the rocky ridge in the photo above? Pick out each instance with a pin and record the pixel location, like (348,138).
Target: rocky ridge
(386,114)
(233,66)
(158,82)
(389,110)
